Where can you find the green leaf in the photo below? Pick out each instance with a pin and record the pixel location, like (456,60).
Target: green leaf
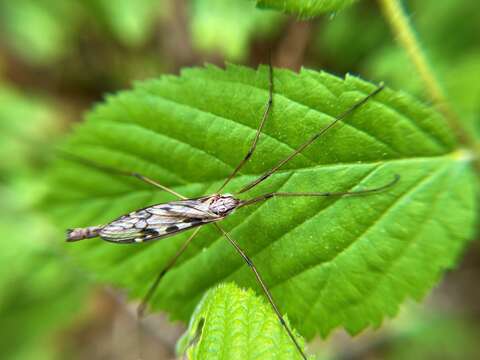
(305,8)
(212,30)
(328,261)
(232,323)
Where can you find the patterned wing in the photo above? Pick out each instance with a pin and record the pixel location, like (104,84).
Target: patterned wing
(157,221)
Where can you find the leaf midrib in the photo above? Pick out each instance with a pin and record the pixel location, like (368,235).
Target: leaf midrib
(253,255)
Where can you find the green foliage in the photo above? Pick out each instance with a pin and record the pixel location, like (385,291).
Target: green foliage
(329,262)
(422,336)
(232,323)
(420,331)
(131,22)
(351,37)
(461,81)
(39,294)
(212,30)
(451,47)
(36,30)
(357,39)
(26,125)
(42,32)
(305,8)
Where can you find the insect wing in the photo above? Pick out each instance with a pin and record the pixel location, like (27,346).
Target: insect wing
(157,221)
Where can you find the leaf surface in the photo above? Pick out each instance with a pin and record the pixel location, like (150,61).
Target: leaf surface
(328,261)
(232,323)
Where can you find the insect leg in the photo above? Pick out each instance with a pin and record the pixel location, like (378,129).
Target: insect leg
(259,130)
(118,172)
(154,183)
(143,305)
(328,193)
(263,286)
(311,140)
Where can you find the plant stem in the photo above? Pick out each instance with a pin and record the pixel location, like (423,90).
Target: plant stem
(401,27)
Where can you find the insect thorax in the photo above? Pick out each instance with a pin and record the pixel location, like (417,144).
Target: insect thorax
(222,204)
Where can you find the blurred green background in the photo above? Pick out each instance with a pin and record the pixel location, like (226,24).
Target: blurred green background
(59,57)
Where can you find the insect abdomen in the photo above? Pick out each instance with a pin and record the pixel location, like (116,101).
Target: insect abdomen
(83,233)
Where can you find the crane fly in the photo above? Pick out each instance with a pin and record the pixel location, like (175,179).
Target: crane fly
(167,219)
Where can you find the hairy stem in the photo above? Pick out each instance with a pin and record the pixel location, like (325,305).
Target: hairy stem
(401,27)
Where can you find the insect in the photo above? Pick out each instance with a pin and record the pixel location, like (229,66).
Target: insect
(167,219)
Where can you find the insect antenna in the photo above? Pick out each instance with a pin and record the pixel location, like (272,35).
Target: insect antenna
(326,194)
(263,286)
(259,129)
(302,147)
(104,168)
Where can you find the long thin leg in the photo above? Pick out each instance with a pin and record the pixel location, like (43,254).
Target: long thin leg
(327,193)
(119,172)
(259,130)
(311,140)
(143,305)
(263,286)
(154,183)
